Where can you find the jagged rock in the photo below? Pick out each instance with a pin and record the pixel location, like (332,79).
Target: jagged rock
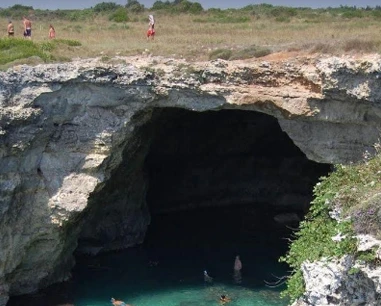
(344,281)
(65,128)
(335,282)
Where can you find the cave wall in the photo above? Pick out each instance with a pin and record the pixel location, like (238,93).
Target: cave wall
(117,216)
(65,129)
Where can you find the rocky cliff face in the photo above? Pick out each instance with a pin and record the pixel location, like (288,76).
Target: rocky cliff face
(74,138)
(344,281)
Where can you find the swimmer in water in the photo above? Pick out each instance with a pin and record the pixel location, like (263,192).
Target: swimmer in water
(207,278)
(224,299)
(237,276)
(115,302)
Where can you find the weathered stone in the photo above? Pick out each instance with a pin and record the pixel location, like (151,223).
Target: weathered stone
(65,128)
(340,282)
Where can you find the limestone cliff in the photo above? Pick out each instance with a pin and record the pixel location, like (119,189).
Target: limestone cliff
(66,128)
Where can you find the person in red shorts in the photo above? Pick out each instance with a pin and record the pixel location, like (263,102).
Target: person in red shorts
(151,27)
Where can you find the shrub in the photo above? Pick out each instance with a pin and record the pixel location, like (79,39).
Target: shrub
(47,46)
(376,14)
(120,15)
(105,7)
(279,11)
(220,53)
(160,5)
(195,8)
(282,19)
(79,15)
(16,11)
(353,14)
(178,6)
(250,52)
(134,6)
(185,6)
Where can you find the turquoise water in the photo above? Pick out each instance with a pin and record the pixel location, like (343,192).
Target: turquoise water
(167,270)
(177,280)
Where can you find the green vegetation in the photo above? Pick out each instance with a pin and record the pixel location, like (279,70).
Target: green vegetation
(13,49)
(249,52)
(356,190)
(17,49)
(182,6)
(68,42)
(16,11)
(224,54)
(120,15)
(106,7)
(134,6)
(79,15)
(277,13)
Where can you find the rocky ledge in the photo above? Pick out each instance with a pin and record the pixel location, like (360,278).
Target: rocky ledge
(65,129)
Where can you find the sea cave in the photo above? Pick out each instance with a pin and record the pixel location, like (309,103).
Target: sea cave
(193,190)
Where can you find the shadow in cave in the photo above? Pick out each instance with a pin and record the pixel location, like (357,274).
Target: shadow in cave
(220,184)
(223,184)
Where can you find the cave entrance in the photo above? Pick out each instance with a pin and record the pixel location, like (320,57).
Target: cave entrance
(193,190)
(223,183)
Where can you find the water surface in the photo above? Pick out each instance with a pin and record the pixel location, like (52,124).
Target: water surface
(167,270)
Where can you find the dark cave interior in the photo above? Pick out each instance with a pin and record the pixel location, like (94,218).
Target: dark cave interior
(224,183)
(227,158)
(215,161)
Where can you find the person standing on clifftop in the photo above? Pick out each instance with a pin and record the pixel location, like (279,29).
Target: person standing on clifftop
(27,28)
(10,29)
(52,32)
(151,27)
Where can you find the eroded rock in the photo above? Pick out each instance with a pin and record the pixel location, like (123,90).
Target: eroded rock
(65,128)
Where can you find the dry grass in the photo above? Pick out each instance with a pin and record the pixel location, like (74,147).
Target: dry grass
(189,37)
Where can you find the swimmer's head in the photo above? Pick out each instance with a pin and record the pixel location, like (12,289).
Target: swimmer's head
(205,272)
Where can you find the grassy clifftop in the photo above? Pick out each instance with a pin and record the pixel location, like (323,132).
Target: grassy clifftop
(185,30)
